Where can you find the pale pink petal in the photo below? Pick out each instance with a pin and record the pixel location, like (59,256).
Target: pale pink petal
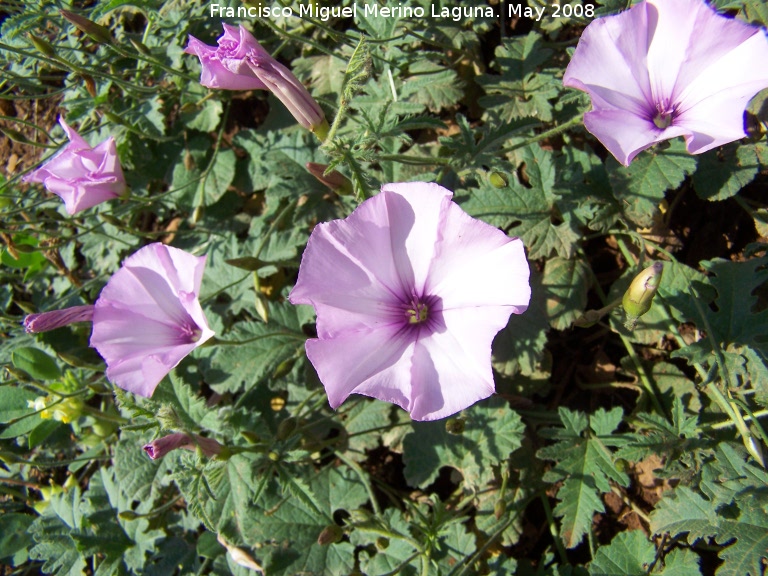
(625,135)
(415,211)
(610,62)
(375,363)
(76,142)
(688,38)
(452,365)
(476,264)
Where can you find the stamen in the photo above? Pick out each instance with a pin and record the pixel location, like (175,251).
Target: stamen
(417,313)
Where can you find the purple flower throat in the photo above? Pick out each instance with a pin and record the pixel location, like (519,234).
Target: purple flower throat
(665,114)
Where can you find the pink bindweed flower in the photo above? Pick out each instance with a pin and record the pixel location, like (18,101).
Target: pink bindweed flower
(668,68)
(80,175)
(241,63)
(146,319)
(409,292)
(160,447)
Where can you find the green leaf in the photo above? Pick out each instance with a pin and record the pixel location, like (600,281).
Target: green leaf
(640,187)
(491,432)
(436,89)
(220,176)
(566,283)
(36,363)
(723,172)
(583,458)
(257,349)
(363,426)
(522,89)
(15,539)
(681,562)
(687,512)
(519,347)
(13,405)
(629,554)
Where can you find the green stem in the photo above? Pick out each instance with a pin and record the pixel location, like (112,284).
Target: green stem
(553,529)
(197,214)
(100,415)
(546,134)
(647,384)
(360,474)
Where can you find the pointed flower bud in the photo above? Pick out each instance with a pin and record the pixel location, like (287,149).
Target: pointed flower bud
(42,45)
(97,32)
(45,321)
(639,297)
(160,447)
(334,180)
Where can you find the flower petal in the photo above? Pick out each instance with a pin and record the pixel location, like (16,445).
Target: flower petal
(476,264)
(610,62)
(375,363)
(215,74)
(624,134)
(452,366)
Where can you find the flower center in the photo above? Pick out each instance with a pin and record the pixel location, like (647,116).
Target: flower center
(417,312)
(665,114)
(190,333)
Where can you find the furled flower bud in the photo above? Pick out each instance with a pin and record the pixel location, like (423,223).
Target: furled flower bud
(639,297)
(97,32)
(160,447)
(45,321)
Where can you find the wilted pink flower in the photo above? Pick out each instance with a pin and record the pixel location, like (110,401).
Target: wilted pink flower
(409,292)
(241,63)
(45,321)
(80,175)
(148,317)
(668,68)
(160,447)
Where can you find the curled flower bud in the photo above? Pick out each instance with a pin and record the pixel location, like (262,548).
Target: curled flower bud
(639,297)
(160,447)
(45,321)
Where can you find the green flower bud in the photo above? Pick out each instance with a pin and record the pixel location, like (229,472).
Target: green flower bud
(639,297)
(498,180)
(97,32)
(42,45)
(455,425)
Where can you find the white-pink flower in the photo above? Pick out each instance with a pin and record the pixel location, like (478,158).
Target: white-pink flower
(409,292)
(668,68)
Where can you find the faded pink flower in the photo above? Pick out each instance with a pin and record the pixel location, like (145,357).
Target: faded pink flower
(148,317)
(160,447)
(668,68)
(409,292)
(80,175)
(241,63)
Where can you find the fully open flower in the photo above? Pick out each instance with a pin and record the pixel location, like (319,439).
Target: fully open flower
(668,68)
(80,175)
(409,292)
(146,319)
(241,63)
